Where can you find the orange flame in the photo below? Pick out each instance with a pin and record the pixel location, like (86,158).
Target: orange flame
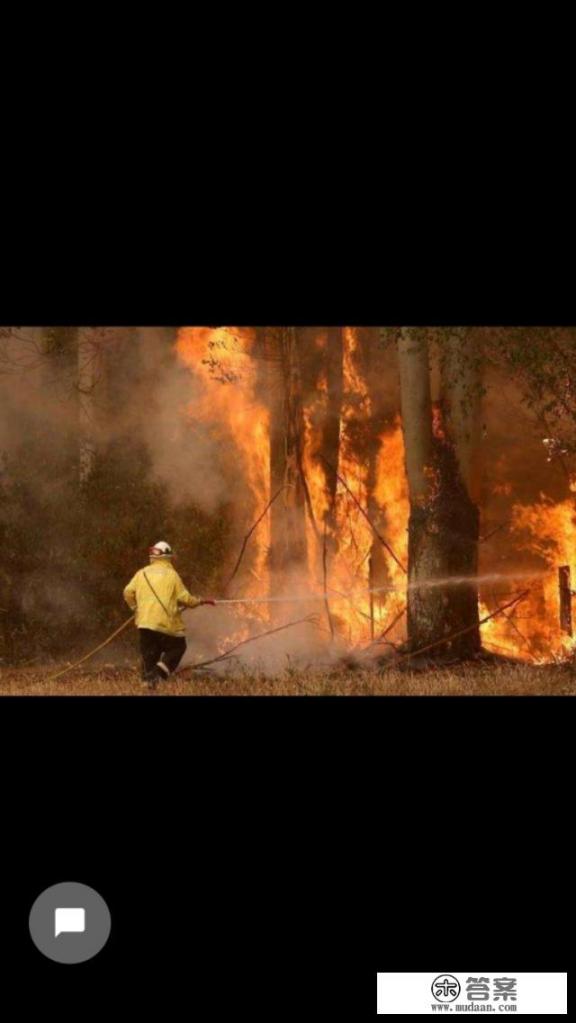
(546,530)
(227,403)
(230,405)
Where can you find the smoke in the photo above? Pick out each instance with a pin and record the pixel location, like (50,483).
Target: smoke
(28,404)
(123,385)
(68,398)
(515,471)
(154,397)
(186,457)
(214,631)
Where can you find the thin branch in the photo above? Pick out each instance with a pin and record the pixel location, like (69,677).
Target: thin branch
(307,497)
(249,534)
(483,539)
(510,619)
(460,632)
(325,578)
(365,514)
(497,646)
(310,619)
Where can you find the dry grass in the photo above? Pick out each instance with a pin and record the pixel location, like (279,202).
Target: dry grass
(468,680)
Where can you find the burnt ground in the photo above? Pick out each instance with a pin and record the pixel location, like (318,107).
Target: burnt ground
(472,679)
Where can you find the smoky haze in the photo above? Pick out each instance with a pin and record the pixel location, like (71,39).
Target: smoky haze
(137,389)
(152,399)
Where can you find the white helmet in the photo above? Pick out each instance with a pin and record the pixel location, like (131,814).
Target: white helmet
(160,550)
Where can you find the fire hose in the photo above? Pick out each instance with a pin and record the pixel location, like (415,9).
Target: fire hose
(95,651)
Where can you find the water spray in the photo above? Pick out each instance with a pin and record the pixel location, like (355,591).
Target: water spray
(455,580)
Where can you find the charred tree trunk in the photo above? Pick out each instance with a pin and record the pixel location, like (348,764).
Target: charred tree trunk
(288,513)
(444,522)
(426,558)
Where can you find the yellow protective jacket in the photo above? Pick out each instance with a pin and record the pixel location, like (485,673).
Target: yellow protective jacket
(159,610)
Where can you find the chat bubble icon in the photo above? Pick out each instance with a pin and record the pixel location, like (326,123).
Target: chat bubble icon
(69,920)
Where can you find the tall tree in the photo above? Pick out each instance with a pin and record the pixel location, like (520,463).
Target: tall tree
(330,442)
(72,370)
(89,371)
(288,513)
(375,362)
(542,360)
(443,531)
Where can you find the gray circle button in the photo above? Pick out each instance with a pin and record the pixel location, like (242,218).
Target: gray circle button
(70,922)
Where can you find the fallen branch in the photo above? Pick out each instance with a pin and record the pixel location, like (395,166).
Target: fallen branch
(249,534)
(388,629)
(504,649)
(460,632)
(510,620)
(310,619)
(365,514)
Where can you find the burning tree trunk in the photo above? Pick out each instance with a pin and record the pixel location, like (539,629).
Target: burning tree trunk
(373,368)
(331,429)
(444,522)
(565,591)
(288,513)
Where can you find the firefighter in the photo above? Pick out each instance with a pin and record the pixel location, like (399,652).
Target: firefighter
(156,594)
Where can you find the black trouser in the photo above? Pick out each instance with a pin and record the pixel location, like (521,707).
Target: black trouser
(153,646)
